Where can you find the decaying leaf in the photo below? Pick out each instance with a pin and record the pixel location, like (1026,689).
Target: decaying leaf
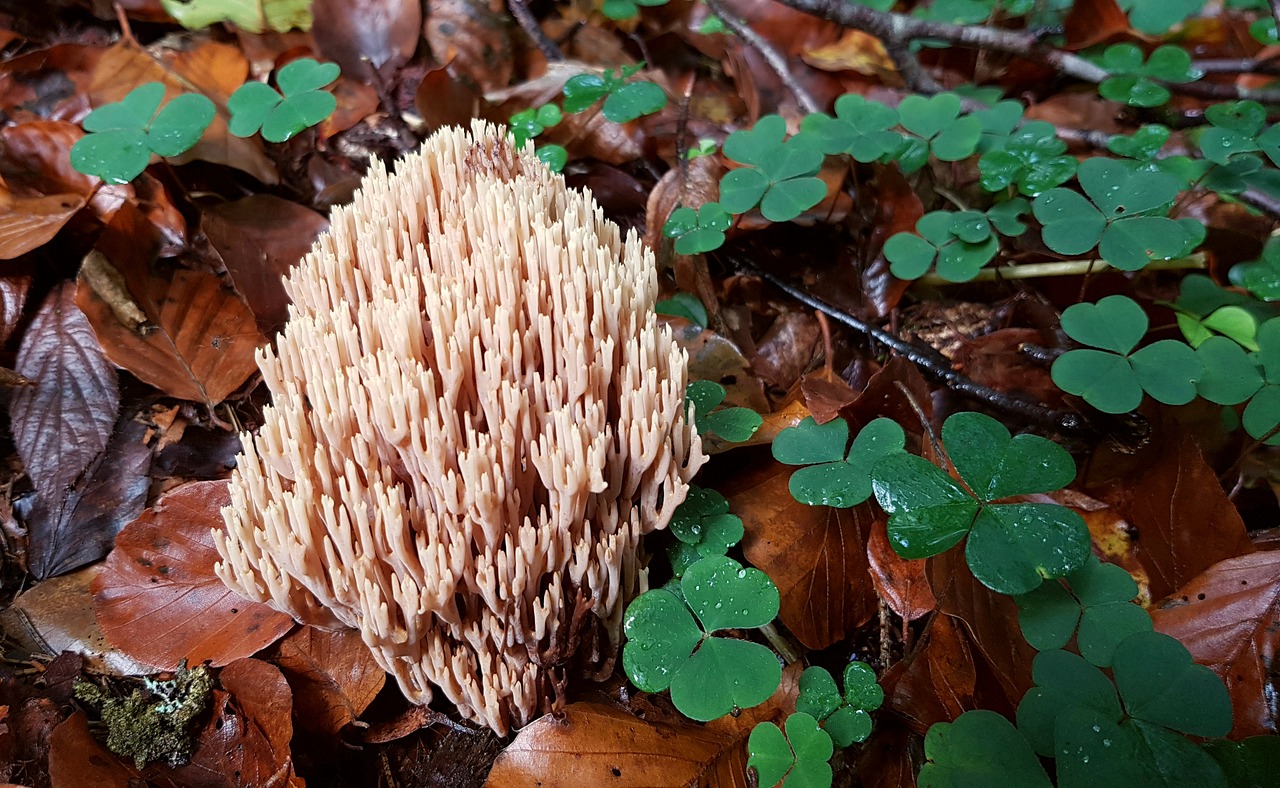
(158,599)
(1229,619)
(333,676)
(202,346)
(816,555)
(64,421)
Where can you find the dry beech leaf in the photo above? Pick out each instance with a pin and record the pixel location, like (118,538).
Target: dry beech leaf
(260,238)
(1229,619)
(333,676)
(476,36)
(245,743)
(902,584)
(28,223)
(64,421)
(76,759)
(590,744)
(444,100)
(1091,22)
(1185,521)
(80,526)
(13,298)
(211,68)
(357,34)
(990,620)
(816,555)
(855,51)
(202,345)
(935,683)
(158,599)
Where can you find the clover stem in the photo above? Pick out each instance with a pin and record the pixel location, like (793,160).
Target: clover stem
(781,643)
(1065,268)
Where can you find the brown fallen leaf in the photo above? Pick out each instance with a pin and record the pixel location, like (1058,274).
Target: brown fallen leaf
(1229,619)
(202,346)
(333,676)
(64,422)
(158,599)
(259,239)
(360,34)
(76,759)
(476,37)
(80,525)
(30,221)
(245,743)
(590,744)
(1184,520)
(816,555)
(902,584)
(936,682)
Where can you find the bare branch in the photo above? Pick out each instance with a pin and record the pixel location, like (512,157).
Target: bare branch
(771,55)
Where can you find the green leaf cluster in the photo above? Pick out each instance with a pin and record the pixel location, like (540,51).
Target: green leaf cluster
(957,243)
(1011,547)
(670,642)
(698,231)
(1137,80)
(733,424)
(123,136)
(299,104)
(625,100)
(824,719)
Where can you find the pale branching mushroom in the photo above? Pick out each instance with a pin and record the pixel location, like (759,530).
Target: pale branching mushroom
(476,416)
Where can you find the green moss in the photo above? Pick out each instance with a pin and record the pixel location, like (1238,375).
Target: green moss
(153,723)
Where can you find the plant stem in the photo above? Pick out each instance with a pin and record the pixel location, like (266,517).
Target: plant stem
(1065,268)
(780,643)
(524,17)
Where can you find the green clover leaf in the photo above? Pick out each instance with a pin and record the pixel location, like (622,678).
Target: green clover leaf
(979,748)
(733,424)
(1128,731)
(300,104)
(698,231)
(1137,83)
(1033,158)
(1011,547)
(797,760)
(704,525)
(942,241)
(1114,377)
(937,120)
(779,177)
(627,9)
(861,129)
(835,478)
(708,676)
(123,135)
(1098,601)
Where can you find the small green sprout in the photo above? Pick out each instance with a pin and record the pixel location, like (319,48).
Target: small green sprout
(123,135)
(800,759)
(703,527)
(733,424)
(667,647)
(845,716)
(298,105)
(698,231)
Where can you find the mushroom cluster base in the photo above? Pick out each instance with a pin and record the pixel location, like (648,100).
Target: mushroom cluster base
(476,416)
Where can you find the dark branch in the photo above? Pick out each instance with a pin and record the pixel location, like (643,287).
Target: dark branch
(520,10)
(932,364)
(771,55)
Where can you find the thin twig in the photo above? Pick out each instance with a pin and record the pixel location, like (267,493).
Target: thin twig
(771,55)
(895,27)
(520,10)
(936,366)
(1064,268)
(1228,65)
(1275,12)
